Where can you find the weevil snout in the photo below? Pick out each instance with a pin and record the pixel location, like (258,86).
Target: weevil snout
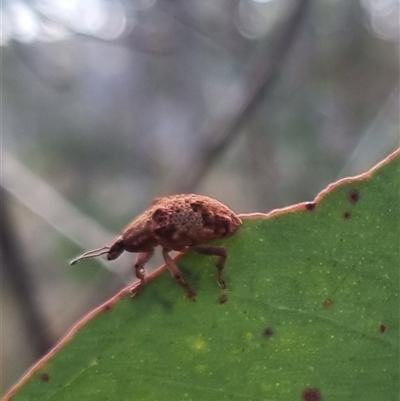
(112,252)
(116,249)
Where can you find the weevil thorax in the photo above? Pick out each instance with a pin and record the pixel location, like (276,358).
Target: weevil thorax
(138,235)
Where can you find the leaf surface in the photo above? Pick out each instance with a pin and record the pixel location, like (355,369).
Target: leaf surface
(311,312)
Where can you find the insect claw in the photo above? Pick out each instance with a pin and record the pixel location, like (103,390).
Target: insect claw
(134,291)
(221,283)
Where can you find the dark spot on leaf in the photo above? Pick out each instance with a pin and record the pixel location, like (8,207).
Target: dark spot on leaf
(310,206)
(346,214)
(327,303)
(382,329)
(353,196)
(44,377)
(222,298)
(107,307)
(311,394)
(268,332)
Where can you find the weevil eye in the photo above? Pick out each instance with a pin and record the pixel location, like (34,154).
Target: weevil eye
(116,249)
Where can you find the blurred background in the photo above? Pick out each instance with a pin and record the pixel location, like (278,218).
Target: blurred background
(109,103)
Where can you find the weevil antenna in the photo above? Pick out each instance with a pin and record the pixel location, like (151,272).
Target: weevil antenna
(91,254)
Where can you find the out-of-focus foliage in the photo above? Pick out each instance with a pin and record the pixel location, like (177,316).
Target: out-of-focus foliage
(106,104)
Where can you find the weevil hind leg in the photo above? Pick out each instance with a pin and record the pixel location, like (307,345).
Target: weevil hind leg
(176,274)
(140,272)
(222,254)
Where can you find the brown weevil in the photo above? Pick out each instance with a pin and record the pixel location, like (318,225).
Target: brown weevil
(176,223)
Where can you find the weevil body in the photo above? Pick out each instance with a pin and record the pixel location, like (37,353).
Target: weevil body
(176,223)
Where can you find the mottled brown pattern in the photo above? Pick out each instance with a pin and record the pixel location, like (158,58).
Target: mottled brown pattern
(184,220)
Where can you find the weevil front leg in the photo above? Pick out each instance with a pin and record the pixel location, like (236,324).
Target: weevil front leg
(176,274)
(214,251)
(140,272)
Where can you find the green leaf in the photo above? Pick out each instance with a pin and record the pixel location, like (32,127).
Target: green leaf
(311,312)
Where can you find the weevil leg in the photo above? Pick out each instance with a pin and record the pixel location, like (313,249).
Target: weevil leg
(222,254)
(176,274)
(140,272)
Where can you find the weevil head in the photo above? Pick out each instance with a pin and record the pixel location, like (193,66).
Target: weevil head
(116,249)
(137,237)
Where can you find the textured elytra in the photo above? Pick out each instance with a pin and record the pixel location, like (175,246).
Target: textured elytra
(179,221)
(189,219)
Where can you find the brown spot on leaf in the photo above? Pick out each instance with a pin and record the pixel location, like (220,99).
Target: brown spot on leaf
(353,196)
(382,329)
(223,298)
(268,332)
(44,377)
(107,308)
(311,394)
(346,214)
(310,206)
(327,303)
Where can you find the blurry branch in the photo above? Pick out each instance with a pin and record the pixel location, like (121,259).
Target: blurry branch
(44,201)
(177,11)
(16,269)
(220,135)
(379,139)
